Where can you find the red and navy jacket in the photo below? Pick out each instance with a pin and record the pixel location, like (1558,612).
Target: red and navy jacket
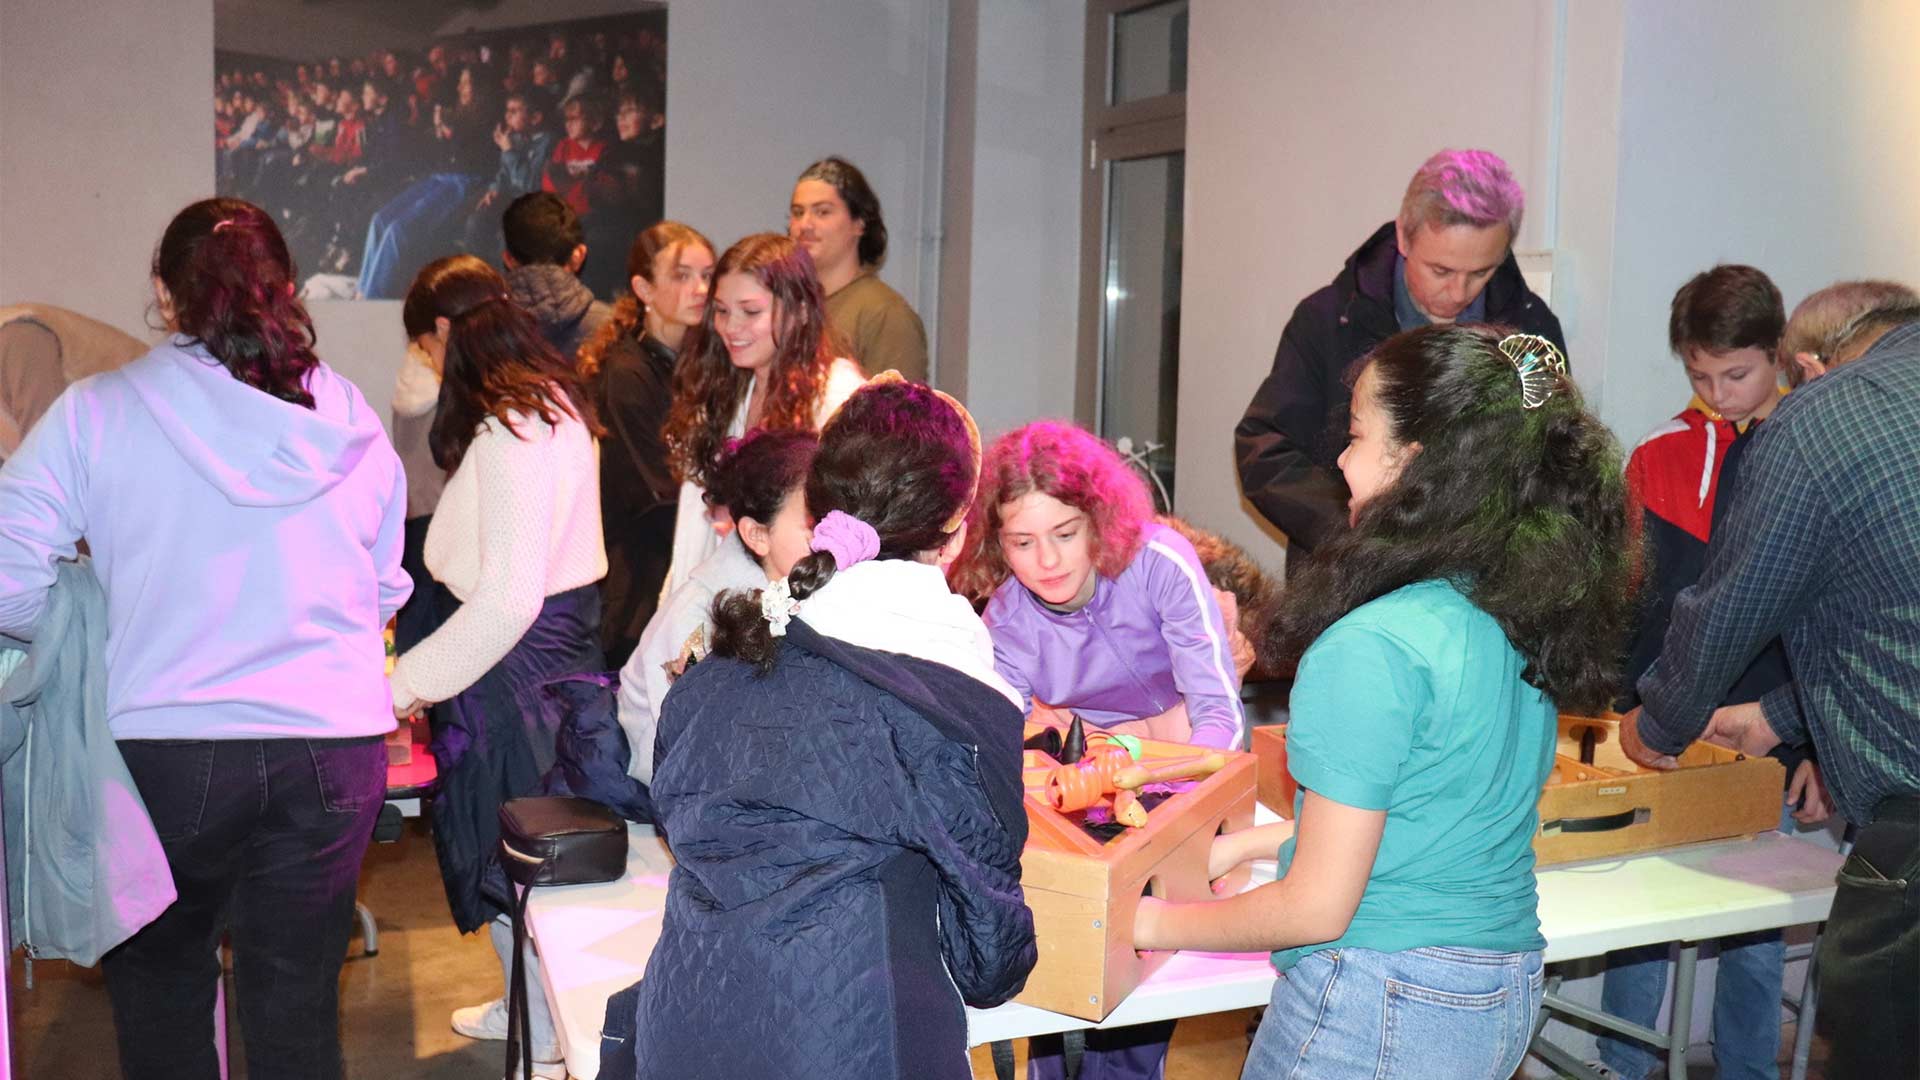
(1679,481)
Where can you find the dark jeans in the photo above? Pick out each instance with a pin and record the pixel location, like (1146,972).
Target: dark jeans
(1870,951)
(265,838)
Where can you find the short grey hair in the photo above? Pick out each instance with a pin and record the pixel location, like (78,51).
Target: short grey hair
(1463,187)
(1830,322)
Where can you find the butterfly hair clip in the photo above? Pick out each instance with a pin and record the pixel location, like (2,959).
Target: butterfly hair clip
(1539,363)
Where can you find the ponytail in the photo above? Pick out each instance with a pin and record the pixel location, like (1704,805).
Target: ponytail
(740,626)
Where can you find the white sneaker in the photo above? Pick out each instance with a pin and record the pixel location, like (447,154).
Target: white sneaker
(545,1070)
(487,1021)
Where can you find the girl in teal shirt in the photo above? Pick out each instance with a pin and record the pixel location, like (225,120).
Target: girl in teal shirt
(1481,588)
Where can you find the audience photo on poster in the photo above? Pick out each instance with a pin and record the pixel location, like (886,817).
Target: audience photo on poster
(383,136)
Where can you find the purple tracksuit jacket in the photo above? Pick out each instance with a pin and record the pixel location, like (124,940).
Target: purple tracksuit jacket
(1147,640)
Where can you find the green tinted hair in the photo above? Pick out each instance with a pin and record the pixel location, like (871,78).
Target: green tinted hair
(1523,509)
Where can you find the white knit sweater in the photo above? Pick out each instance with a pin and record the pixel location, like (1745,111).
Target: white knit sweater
(519,522)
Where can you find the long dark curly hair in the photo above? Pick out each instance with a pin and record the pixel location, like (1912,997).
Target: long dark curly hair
(1522,509)
(231,281)
(707,388)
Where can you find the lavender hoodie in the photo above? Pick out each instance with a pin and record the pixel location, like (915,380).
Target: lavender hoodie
(1146,640)
(249,547)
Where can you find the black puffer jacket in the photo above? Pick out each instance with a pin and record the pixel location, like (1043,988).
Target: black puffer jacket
(565,309)
(847,833)
(1296,426)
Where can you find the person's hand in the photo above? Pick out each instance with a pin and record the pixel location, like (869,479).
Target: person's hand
(1259,842)
(1639,752)
(1146,923)
(1236,641)
(1741,728)
(354,175)
(486,200)
(502,140)
(407,711)
(1808,794)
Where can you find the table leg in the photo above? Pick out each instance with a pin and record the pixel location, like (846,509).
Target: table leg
(1003,1059)
(1680,1030)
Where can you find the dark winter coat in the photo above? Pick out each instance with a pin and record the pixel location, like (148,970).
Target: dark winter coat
(1295,428)
(846,832)
(565,309)
(638,493)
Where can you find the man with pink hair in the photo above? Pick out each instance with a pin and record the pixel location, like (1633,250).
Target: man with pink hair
(1447,258)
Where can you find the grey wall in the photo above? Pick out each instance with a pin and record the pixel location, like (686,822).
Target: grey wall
(1013,207)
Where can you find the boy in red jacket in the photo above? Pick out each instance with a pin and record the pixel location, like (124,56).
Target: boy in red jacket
(1725,327)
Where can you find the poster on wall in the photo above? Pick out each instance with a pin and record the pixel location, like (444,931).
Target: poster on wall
(382,136)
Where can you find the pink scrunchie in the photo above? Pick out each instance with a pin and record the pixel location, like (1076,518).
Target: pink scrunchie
(847,537)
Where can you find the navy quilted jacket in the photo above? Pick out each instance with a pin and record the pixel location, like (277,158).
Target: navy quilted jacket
(847,833)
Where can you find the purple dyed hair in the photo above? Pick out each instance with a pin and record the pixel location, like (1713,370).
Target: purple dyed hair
(1463,187)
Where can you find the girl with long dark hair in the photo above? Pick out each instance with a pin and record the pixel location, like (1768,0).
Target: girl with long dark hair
(244,510)
(628,366)
(1482,588)
(516,540)
(761,357)
(840,780)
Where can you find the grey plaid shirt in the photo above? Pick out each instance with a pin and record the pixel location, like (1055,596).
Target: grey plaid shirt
(1821,547)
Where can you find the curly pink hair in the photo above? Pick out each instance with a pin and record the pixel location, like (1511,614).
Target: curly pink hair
(1070,464)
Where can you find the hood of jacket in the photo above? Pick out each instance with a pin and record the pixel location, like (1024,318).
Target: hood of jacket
(252,447)
(417,389)
(1367,281)
(553,295)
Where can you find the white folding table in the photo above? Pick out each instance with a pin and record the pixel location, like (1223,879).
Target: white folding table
(594,940)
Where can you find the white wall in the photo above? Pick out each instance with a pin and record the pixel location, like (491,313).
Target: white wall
(1304,122)
(1022,200)
(1786,137)
(105,131)
(1653,138)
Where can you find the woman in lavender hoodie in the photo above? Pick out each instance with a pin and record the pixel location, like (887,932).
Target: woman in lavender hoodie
(243,509)
(1097,610)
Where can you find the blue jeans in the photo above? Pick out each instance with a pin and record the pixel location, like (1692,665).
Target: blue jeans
(1437,1013)
(1746,1006)
(1746,1002)
(264,838)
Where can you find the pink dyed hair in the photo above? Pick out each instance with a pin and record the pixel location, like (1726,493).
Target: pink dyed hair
(1463,187)
(1072,465)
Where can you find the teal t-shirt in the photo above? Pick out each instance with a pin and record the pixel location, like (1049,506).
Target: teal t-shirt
(1413,704)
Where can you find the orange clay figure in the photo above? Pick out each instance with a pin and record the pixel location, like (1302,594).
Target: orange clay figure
(1080,785)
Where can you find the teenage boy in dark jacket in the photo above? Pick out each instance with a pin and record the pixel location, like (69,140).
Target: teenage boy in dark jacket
(1448,258)
(545,250)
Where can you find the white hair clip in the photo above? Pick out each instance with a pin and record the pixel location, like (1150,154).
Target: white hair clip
(778,606)
(1538,362)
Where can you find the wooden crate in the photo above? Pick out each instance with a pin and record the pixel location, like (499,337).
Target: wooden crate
(1275,783)
(1084,893)
(1612,806)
